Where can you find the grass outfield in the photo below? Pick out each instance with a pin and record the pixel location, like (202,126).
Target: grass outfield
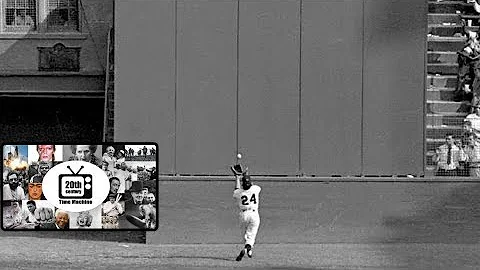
(45,253)
(338,225)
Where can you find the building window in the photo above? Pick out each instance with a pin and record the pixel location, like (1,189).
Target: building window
(20,15)
(62,15)
(40,16)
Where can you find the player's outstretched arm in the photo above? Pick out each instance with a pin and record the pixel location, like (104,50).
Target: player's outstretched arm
(237,181)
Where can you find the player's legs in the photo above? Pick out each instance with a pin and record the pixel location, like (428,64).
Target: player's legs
(251,232)
(243,227)
(252,228)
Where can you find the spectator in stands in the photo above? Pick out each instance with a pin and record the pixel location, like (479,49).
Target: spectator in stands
(466,131)
(476,5)
(472,150)
(474,119)
(468,61)
(467,128)
(462,169)
(447,156)
(464,93)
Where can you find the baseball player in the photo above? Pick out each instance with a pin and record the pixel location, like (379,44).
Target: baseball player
(247,198)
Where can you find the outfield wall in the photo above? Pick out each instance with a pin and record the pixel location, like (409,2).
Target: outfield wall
(323,212)
(315,87)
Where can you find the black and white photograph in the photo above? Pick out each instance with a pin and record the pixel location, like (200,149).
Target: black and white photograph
(91,219)
(250,134)
(89,153)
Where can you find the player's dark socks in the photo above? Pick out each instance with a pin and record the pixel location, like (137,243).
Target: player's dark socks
(249,250)
(240,256)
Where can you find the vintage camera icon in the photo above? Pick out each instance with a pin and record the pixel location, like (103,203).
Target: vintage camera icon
(75,185)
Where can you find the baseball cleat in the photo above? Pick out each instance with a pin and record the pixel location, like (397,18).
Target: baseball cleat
(249,253)
(240,256)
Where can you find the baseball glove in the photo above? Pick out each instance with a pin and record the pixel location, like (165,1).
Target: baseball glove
(238,169)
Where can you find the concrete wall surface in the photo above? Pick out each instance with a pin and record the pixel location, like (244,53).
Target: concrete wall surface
(299,87)
(335,212)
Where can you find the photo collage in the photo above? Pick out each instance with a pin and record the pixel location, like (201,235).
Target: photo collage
(131,171)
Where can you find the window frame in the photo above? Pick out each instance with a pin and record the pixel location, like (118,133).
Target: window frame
(17,29)
(40,26)
(56,28)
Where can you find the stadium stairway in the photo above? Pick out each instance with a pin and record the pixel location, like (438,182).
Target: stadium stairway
(447,24)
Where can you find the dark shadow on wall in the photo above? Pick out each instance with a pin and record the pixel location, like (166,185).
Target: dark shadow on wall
(26,117)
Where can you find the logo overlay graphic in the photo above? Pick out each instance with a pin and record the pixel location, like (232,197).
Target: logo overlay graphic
(109,186)
(76,186)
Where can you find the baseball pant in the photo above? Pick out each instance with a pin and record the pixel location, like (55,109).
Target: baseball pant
(250,222)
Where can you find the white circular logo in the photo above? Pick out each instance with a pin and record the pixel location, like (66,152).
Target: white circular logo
(75,186)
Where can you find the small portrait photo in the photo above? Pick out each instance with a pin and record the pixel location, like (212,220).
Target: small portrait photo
(39,212)
(38,170)
(48,153)
(15,157)
(88,153)
(113,155)
(91,219)
(61,220)
(14,217)
(140,208)
(112,209)
(115,185)
(35,188)
(15,185)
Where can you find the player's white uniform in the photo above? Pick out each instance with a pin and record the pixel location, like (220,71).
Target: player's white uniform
(248,201)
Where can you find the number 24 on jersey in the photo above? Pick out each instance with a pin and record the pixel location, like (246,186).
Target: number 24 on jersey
(246,201)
